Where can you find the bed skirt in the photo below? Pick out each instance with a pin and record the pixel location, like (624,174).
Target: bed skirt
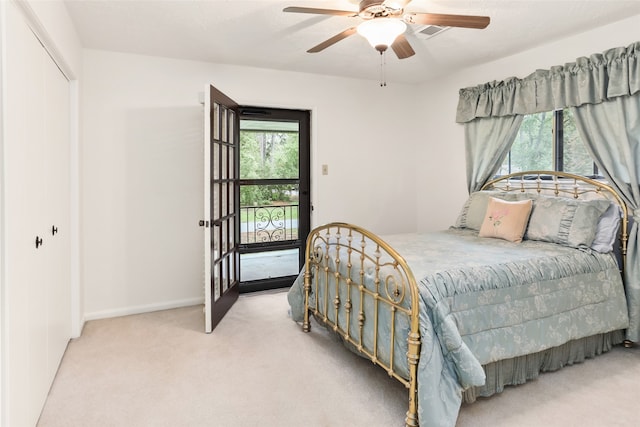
(524,368)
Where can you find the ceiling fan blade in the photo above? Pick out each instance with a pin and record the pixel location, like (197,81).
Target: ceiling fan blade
(402,48)
(320,11)
(333,40)
(464,21)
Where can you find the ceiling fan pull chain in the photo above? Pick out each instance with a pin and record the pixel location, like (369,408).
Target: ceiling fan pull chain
(383,63)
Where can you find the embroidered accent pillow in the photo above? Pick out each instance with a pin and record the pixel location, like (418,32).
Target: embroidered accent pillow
(506,220)
(472,213)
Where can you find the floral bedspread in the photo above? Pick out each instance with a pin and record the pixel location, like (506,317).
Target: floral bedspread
(485,299)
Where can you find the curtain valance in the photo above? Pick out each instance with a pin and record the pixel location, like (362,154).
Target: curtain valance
(601,77)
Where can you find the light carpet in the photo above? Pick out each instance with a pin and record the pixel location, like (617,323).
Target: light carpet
(258,369)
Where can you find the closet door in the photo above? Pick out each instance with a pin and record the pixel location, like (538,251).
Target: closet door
(24,308)
(36,309)
(56,213)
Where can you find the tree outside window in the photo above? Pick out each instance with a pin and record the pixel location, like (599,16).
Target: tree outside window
(549,141)
(268,155)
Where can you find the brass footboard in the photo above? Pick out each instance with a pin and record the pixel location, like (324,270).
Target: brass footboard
(362,289)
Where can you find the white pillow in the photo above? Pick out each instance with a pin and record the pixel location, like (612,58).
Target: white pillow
(607,229)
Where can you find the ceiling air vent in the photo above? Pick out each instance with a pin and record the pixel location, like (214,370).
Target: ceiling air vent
(429,31)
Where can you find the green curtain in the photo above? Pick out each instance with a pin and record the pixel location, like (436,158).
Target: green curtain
(488,141)
(603,92)
(611,131)
(592,80)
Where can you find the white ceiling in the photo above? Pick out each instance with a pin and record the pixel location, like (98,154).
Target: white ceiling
(257,33)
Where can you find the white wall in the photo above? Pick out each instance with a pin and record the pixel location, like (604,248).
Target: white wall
(142,167)
(141,158)
(443,148)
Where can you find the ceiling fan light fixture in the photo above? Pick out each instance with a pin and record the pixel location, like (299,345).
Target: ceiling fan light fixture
(381,32)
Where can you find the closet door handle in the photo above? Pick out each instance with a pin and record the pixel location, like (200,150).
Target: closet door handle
(38,242)
(54,230)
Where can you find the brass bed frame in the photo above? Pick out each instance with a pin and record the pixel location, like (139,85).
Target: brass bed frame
(339,255)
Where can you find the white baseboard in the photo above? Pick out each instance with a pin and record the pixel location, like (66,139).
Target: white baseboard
(76,331)
(126,311)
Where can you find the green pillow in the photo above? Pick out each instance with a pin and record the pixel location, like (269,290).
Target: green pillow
(568,222)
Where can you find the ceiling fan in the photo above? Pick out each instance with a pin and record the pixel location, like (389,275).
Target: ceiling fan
(384,24)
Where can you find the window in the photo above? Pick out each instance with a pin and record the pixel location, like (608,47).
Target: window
(549,141)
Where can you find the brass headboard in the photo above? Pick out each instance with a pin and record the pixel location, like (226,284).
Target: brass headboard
(564,184)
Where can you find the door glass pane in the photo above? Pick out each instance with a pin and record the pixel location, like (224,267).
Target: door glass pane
(215,201)
(225,240)
(215,120)
(223,274)
(225,125)
(225,160)
(215,161)
(232,238)
(269,149)
(234,272)
(227,281)
(216,243)
(225,199)
(216,281)
(231,126)
(232,197)
(232,165)
(268,213)
(265,265)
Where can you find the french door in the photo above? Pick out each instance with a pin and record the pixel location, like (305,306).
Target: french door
(260,211)
(221,194)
